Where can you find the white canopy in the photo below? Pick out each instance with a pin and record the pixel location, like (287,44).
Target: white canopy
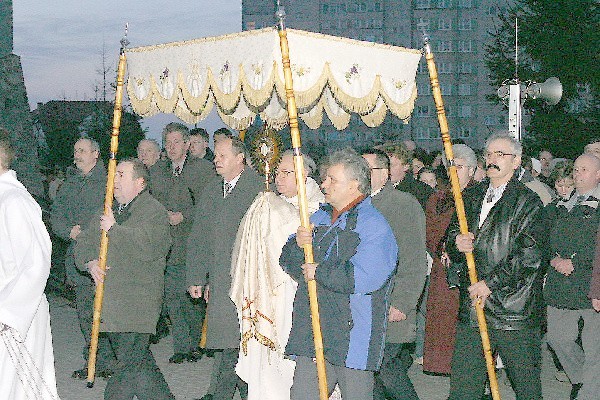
(242,73)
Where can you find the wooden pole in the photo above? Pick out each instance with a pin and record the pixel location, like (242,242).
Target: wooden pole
(460,212)
(108,201)
(304,217)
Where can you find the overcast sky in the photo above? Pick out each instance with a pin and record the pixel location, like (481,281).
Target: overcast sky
(60,42)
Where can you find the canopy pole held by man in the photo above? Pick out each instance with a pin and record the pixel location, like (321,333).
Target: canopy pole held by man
(460,212)
(108,201)
(303,204)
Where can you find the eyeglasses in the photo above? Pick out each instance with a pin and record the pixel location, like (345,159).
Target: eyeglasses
(497,154)
(284,173)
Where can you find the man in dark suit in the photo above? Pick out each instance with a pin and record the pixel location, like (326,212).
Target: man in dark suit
(407,220)
(218,215)
(505,238)
(401,173)
(139,241)
(177,184)
(77,201)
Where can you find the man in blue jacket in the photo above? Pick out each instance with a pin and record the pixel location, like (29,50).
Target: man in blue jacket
(355,256)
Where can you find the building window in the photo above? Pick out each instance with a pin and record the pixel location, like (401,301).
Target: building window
(448,110)
(465,132)
(444,3)
(362,7)
(465,46)
(464,112)
(445,68)
(422,111)
(446,89)
(422,132)
(444,46)
(423,24)
(324,8)
(445,24)
(464,89)
(465,24)
(378,7)
(423,4)
(466,68)
(465,3)
(377,23)
(422,67)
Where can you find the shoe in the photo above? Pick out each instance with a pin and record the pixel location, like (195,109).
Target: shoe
(561,376)
(196,354)
(575,390)
(80,374)
(178,358)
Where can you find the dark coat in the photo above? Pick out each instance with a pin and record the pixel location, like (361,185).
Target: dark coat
(420,190)
(508,256)
(137,250)
(209,253)
(595,285)
(571,234)
(180,194)
(77,202)
(407,220)
(442,302)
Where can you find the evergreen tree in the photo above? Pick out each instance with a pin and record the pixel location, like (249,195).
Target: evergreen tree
(556,38)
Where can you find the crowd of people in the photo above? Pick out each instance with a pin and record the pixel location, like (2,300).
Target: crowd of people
(197,244)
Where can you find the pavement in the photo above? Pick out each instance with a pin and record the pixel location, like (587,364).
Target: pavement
(191,380)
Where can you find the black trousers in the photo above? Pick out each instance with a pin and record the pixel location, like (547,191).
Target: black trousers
(136,372)
(224,380)
(84,302)
(392,381)
(521,354)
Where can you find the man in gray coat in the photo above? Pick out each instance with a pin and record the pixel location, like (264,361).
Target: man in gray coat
(218,215)
(138,230)
(77,201)
(177,184)
(407,219)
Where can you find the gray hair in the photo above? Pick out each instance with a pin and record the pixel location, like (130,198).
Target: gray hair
(93,144)
(153,142)
(464,152)
(309,165)
(517,148)
(176,127)
(355,167)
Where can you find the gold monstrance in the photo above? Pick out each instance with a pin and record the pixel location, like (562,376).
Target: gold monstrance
(266,152)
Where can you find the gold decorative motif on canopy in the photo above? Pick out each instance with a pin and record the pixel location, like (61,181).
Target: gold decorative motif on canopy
(242,74)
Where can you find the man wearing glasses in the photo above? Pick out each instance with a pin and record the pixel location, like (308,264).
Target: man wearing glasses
(502,214)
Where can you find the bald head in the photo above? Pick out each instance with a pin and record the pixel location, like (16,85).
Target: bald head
(586,173)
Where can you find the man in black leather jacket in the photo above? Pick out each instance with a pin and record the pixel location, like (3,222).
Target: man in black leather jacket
(503,217)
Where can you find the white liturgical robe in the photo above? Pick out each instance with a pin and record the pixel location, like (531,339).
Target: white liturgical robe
(26,356)
(264,293)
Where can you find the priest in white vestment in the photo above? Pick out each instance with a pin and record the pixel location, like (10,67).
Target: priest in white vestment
(26,356)
(262,291)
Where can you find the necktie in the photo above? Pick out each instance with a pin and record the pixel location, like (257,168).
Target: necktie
(490,197)
(177,171)
(227,188)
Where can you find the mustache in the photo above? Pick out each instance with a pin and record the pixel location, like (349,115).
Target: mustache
(490,166)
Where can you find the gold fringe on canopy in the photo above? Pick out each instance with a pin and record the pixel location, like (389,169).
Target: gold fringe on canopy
(242,75)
